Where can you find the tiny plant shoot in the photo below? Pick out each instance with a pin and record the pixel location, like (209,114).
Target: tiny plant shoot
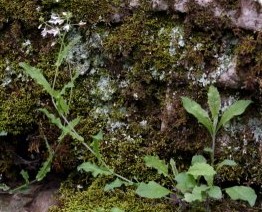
(214,123)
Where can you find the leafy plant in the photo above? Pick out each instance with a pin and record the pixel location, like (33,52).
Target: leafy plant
(213,124)
(197,183)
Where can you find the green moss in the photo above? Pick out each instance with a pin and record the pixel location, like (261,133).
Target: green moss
(95,199)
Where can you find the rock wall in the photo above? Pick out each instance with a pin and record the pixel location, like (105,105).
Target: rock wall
(136,58)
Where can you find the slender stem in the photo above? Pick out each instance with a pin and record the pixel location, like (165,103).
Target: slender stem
(213,149)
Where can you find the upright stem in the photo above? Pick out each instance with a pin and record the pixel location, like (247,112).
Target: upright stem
(213,149)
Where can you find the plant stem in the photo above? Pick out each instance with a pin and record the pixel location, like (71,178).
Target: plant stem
(213,149)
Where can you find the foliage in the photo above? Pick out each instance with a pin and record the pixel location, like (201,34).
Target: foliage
(197,184)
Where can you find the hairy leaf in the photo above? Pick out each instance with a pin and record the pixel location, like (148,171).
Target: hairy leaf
(196,110)
(233,110)
(152,190)
(63,54)
(173,167)
(116,184)
(25,176)
(155,162)
(242,193)
(185,182)
(96,143)
(214,102)
(37,75)
(44,169)
(201,169)
(226,162)
(215,192)
(198,159)
(94,169)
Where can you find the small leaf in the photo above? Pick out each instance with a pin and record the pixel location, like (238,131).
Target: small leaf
(215,192)
(44,169)
(69,129)
(209,179)
(63,54)
(201,169)
(25,176)
(62,106)
(190,197)
(4,187)
(152,190)
(200,114)
(36,74)
(226,162)
(52,118)
(155,162)
(116,184)
(94,169)
(198,159)
(214,102)
(233,110)
(242,193)
(3,133)
(69,84)
(173,167)
(116,210)
(96,143)
(208,149)
(185,182)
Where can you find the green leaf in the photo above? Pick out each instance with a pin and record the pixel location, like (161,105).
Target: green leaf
(209,179)
(226,162)
(116,184)
(62,106)
(115,209)
(242,193)
(52,118)
(215,192)
(70,84)
(36,74)
(197,194)
(4,187)
(214,102)
(198,159)
(69,129)
(44,169)
(201,169)
(3,133)
(200,114)
(94,169)
(173,167)
(25,176)
(63,54)
(96,143)
(152,190)
(233,110)
(185,182)
(155,162)
(208,149)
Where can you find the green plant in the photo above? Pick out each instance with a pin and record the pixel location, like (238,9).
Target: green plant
(197,184)
(214,124)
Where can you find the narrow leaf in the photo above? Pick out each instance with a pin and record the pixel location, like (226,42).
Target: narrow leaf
(242,193)
(37,75)
(173,167)
(226,162)
(198,112)
(156,163)
(116,184)
(201,169)
(94,169)
(63,54)
(198,159)
(96,143)
(44,169)
(152,190)
(215,192)
(62,105)
(233,110)
(25,176)
(214,101)
(4,187)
